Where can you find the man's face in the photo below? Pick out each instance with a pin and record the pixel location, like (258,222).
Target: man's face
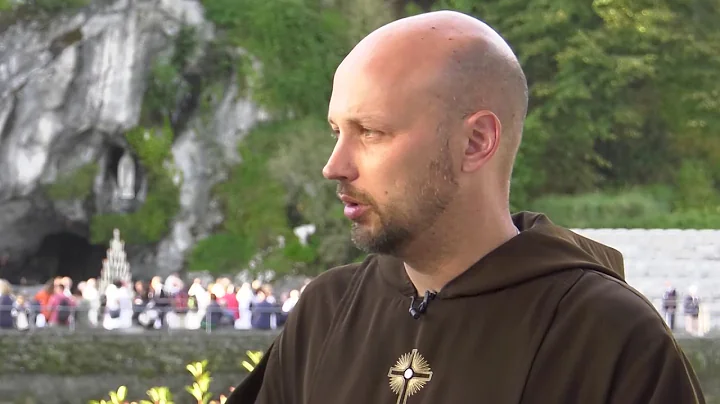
(392,161)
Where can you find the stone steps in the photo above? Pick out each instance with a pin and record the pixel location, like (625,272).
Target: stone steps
(655,257)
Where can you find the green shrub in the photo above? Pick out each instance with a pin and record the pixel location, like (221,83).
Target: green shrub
(76,185)
(695,186)
(152,220)
(640,208)
(12,11)
(199,389)
(600,209)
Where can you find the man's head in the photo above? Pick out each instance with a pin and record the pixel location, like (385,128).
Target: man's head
(428,113)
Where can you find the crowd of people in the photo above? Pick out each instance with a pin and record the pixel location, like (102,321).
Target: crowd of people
(695,324)
(158,304)
(220,303)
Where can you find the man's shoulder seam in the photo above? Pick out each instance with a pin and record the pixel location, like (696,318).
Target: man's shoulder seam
(639,296)
(549,327)
(343,273)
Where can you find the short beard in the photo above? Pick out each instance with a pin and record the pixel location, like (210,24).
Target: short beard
(398,228)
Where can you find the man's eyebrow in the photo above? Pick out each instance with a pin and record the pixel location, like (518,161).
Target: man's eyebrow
(360,121)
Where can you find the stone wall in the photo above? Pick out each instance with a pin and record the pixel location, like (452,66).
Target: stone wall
(74,368)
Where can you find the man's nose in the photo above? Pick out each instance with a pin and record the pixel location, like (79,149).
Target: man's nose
(341,165)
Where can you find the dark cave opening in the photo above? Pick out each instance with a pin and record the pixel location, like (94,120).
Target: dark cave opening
(67,254)
(114,154)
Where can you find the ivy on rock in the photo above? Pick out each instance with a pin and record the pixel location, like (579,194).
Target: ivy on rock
(152,220)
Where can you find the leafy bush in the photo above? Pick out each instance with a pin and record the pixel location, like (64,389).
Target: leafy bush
(600,209)
(695,186)
(199,389)
(152,220)
(41,6)
(638,208)
(12,11)
(76,185)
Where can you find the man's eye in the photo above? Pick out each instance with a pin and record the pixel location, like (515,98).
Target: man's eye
(370,132)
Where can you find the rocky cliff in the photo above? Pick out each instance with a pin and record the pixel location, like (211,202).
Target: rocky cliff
(72,86)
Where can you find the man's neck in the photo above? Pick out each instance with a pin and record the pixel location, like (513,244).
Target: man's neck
(443,257)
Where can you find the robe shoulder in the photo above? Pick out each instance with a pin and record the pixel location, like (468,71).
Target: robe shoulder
(283,375)
(328,289)
(608,340)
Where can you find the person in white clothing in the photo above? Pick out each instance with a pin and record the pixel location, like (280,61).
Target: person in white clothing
(245,298)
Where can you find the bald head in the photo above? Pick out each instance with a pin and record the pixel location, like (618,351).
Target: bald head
(427,113)
(461,63)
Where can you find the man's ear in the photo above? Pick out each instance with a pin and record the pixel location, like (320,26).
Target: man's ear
(483,139)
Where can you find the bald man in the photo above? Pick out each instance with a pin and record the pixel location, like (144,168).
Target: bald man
(459,301)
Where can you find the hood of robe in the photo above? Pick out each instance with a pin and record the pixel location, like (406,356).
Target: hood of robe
(540,249)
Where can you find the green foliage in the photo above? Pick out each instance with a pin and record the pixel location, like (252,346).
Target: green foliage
(298,164)
(55,6)
(273,190)
(199,390)
(152,220)
(611,81)
(152,143)
(695,186)
(77,185)
(13,11)
(640,208)
(298,43)
(34,8)
(254,360)
(166,84)
(254,206)
(135,355)
(624,95)
(7,5)
(116,397)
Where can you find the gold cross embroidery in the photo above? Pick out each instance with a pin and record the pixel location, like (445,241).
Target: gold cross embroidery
(410,374)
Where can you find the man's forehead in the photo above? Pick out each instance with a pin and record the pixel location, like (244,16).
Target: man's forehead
(365,94)
(355,99)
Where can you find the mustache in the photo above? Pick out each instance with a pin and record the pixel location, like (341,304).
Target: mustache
(361,197)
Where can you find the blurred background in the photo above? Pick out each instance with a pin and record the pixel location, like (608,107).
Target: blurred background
(161,197)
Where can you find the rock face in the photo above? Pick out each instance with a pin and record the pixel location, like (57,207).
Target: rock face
(70,87)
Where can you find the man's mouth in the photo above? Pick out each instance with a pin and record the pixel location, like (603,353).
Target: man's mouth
(353,208)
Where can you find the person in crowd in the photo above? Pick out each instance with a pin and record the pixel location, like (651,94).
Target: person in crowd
(263,317)
(41,300)
(214,314)
(692,311)
(22,313)
(6,305)
(60,307)
(669,305)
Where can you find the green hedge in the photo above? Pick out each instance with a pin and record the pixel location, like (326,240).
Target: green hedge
(146,354)
(160,359)
(640,208)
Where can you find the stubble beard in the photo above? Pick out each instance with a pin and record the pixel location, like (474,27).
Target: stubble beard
(402,221)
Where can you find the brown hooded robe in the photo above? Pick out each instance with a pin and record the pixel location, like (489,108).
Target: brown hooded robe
(546,318)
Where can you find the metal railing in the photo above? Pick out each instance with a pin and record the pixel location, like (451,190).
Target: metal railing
(85,315)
